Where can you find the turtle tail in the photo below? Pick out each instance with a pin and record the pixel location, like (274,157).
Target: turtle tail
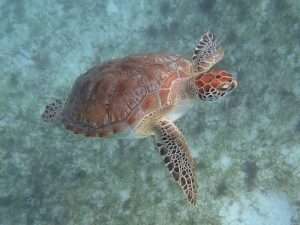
(53,111)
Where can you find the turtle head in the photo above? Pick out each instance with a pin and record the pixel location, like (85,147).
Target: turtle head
(214,84)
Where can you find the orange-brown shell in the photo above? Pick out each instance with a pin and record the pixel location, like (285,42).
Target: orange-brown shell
(116,95)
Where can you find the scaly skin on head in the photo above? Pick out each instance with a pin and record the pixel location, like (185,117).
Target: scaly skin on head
(212,85)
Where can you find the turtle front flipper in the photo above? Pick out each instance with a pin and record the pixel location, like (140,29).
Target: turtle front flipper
(177,158)
(207,53)
(53,111)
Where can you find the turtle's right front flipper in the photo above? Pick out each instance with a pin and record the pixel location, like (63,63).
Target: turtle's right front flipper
(177,158)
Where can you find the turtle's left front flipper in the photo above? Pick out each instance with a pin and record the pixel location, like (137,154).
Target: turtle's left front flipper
(207,53)
(177,158)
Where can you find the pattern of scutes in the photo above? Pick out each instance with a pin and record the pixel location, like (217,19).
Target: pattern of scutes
(105,104)
(177,158)
(107,98)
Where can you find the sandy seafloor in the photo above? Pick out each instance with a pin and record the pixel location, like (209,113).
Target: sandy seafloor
(247,146)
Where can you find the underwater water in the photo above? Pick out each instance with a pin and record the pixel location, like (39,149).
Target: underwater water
(246,146)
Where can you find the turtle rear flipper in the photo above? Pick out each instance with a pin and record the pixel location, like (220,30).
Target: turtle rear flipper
(53,111)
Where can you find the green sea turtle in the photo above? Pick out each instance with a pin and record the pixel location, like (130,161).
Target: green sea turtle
(142,96)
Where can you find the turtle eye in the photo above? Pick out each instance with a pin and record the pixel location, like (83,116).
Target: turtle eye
(224,87)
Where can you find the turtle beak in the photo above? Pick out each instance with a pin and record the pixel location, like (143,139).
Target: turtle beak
(234,84)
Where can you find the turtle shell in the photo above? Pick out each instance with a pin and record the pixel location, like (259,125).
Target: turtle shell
(115,96)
